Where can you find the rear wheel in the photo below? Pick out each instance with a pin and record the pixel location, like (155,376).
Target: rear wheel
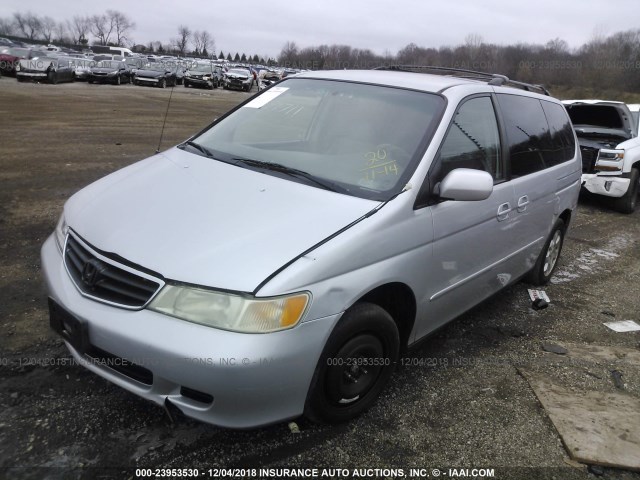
(627,203)
(541,272)
(355,365)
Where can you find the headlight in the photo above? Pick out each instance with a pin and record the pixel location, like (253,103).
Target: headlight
(610,160)
(611,155)
(231,312)
(61,232)
(207,77)
(18,67)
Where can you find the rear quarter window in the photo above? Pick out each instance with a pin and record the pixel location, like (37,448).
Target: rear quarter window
(527,133)
(563,144)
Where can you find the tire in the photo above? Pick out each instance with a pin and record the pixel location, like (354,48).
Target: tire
(547,262)
(163,83)
(90,81)
(339,392)
(627,203)
(186,84)
(225,87)
(216,83)
(118,80)
(53,78)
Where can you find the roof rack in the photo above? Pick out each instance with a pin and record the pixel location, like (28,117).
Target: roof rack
(492,78)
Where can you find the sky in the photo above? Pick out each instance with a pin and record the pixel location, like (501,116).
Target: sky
(262,27)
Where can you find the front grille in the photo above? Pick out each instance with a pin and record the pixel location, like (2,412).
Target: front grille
(589,157)
(104,281)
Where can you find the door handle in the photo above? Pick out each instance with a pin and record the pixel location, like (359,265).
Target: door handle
(523,201)
(503,211)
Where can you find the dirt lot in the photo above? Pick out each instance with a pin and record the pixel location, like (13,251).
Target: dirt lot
(459,401)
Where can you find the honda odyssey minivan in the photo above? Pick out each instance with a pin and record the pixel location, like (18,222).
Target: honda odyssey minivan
(277,262)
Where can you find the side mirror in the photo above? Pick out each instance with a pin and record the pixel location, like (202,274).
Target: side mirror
(466,185)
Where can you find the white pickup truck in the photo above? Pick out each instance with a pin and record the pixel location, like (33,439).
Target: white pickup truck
(608,135)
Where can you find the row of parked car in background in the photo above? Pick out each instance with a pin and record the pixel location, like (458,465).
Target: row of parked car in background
(117,65)
(607,130)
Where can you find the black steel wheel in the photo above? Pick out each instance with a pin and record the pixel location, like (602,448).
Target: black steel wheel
(355,365)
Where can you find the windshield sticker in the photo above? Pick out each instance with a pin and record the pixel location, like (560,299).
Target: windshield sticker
(266,97)
(378,163)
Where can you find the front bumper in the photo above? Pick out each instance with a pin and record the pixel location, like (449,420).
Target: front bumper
(147,80)
(254,379)
(32,74)
(199,81)
(608,185)
(109,77)
(238,85)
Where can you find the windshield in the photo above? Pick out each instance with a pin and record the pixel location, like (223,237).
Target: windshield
(159,67)
(239,71)
(365,140)
(108,64)
(200,68)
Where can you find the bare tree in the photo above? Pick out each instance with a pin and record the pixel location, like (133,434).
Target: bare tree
(7,26)
(184,35)
(79,27)
(197,47)
(47,27)
(289,54)
(61,33)
(102,27)
(122,25)
(203,42)
(558,46)
(28,24)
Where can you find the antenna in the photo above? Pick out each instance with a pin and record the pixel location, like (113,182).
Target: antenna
(165,118)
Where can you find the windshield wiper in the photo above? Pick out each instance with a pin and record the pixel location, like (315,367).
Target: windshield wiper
(198,147)
(293,172)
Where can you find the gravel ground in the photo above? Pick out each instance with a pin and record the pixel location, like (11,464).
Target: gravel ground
(458,400)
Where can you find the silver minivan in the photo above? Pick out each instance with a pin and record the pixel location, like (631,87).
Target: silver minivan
(276,263)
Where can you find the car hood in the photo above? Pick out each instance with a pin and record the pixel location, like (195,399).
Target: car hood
(241,77)
(149,73)
(39,64)
(104,70)
(197,220)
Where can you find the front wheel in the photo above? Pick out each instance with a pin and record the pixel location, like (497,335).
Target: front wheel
(541,272)
(355,365)
(53,78)
(163,83)
(627,203)
(118,80)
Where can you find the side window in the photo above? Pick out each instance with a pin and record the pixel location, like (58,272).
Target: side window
(563,144)
(527,133)
(472,141)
